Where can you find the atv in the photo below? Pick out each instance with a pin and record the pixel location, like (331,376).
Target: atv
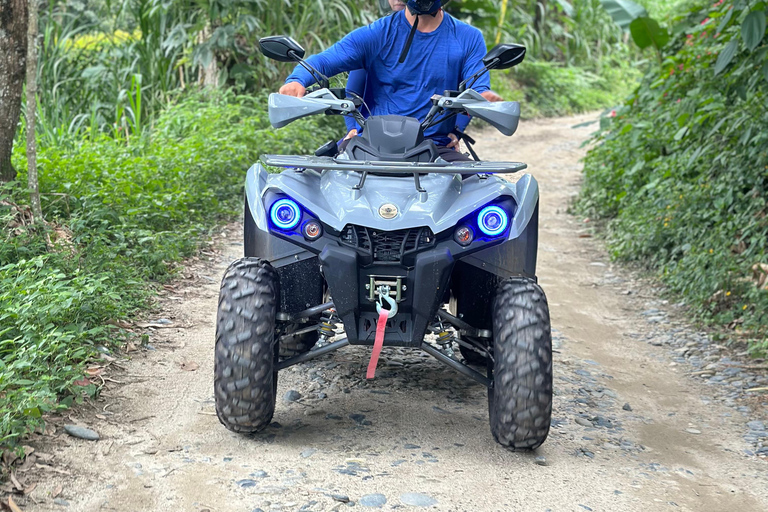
(401,247)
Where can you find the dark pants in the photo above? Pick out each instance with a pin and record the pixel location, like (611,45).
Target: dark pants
(451,155)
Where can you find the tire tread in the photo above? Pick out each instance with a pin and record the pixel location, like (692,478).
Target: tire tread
(520,401)
(245,378)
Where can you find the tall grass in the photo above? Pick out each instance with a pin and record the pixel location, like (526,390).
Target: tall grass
(113,69)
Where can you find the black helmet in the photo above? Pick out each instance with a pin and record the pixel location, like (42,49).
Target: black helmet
(419,7)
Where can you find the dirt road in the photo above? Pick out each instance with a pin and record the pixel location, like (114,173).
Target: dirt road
(632,429)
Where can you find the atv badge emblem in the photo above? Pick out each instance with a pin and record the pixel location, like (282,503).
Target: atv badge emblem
(388,211)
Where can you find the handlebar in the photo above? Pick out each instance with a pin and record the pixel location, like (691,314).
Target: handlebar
(285,109)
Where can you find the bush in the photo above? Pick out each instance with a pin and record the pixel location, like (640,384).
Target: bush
(123,212)
(681,171)
(550,89)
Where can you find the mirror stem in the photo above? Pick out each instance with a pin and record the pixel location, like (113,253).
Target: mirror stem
(320,78)
(463,86)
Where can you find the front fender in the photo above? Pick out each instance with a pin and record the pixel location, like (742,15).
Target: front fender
(330,197)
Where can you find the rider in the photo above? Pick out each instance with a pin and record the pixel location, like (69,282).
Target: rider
(356,81)
(408,57)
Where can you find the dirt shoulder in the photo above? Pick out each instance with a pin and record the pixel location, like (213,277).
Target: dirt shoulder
(632,429)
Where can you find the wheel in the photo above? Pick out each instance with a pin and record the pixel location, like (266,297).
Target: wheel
(299,344)
(245,375)
(520,399)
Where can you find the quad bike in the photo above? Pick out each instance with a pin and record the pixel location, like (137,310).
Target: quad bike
(381,238)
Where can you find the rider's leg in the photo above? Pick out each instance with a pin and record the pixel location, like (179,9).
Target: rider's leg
(451,155)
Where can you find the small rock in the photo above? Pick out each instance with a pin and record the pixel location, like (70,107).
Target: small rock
(756,425)
(357,418)
(246,483)
(693,431)
(291,396)
(81,432)
(61,502)
(410,446)
(541,461)
(416,499)
(308,453)
(584,422)
(343,498)
(259,474)
(373,500)
(627,407)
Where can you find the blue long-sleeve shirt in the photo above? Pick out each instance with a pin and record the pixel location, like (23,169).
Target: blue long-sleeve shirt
(356,83)
(436,61)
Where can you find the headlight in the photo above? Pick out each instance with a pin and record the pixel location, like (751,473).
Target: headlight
(492,220)
(285,214)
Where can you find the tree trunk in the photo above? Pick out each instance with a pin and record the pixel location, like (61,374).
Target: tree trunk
(209,74)
(34,189)
(13,55)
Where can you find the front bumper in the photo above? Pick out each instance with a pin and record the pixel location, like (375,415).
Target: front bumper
(424,287)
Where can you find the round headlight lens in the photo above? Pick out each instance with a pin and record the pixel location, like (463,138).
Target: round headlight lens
(285,214)
(492,220)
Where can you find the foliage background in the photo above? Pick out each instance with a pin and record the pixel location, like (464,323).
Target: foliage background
(681,173)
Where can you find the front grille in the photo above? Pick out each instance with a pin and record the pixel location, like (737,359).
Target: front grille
(387,246)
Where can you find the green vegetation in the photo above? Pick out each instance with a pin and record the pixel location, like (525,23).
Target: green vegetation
(121,212)
(550,89)
(681,172)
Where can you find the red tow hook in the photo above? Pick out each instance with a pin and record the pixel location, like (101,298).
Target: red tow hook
(381,326)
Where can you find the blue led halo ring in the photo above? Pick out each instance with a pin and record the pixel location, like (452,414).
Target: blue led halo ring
(488,213)
(285,213)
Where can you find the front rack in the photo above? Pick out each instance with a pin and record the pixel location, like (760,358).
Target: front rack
(327,163)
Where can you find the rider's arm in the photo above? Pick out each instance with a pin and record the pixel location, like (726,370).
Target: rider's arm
(356,82)
(474,52)
(462,121)
(348,54)
(356,85)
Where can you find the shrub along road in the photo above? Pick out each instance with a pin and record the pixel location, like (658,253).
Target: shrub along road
(646,414)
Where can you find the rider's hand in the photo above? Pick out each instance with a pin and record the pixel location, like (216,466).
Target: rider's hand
(454,144)
(293,89)
(352,133)
(491,96)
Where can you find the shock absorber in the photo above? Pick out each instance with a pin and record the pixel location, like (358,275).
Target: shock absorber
(326,327)
(445,337)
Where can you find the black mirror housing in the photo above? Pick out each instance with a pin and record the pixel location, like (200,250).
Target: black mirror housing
(281,48)
(504,56)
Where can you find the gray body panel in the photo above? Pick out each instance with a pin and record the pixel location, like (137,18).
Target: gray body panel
(331,197)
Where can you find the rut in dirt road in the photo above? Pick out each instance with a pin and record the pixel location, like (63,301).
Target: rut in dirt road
(632,430)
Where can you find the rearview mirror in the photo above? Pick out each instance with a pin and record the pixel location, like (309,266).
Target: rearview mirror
(504,56)
(281,48)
